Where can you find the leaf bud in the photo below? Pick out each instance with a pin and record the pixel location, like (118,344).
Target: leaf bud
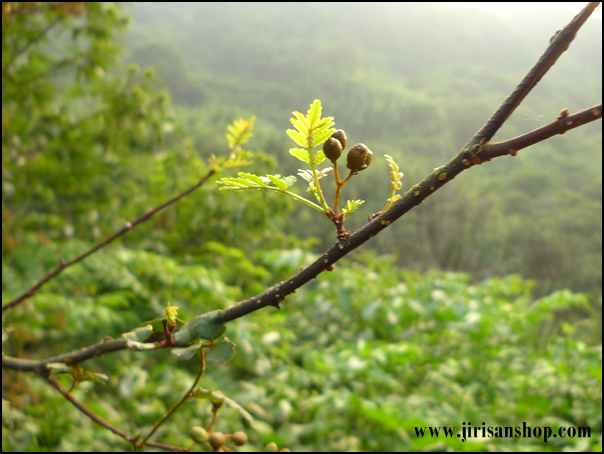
(332,149)
(359,157)
(198,434)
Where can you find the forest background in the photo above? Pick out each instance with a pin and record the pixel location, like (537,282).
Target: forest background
(462,310)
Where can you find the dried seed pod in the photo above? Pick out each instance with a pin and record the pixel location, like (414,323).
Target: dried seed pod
(359,157)
(341,136)
(332,149)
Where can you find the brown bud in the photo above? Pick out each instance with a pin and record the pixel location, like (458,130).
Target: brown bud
(341,136)
(240,438)
(216,440)
(359,157)
(332,149)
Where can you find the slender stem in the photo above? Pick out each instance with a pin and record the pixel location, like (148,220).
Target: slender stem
(339,186)
(317,185)
(128,226)
(181,400)
(284,191)
(389,202)
(336,174)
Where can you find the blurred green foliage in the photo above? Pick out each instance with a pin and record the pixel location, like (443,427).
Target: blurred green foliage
(357,358)
(413,81)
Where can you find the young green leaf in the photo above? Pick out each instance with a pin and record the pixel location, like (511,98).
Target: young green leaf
(240,132)
(319,157)
(251,177)
(234,183)
(314,113)
(290,180)
(321,136)
(302,120)
(299,126)
(298,137)
(352,205)
(302,155)
(277,181)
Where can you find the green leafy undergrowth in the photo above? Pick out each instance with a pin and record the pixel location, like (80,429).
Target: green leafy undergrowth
(354,361)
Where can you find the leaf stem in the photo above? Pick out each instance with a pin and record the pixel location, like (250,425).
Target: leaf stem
(316,179)
(284,191)
(339,185)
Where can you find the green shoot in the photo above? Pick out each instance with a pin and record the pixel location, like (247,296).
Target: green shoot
(395,183)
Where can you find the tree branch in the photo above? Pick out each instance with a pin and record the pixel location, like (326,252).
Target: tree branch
(477,151)
(563,123)
(559,42)
(127,227)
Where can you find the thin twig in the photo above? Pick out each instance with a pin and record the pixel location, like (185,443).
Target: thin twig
(127,227)
(466,158)
(564,122)
(559,42)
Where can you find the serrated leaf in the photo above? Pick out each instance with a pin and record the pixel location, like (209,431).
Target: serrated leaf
(323,123)
(314,113)
(301,154)
(290,180)
(251,177)
(352,205)
(299,126)
(298,137)
(319,157)
(277,181)
(239,182)
(302,118)
(321,137)
(240,131)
